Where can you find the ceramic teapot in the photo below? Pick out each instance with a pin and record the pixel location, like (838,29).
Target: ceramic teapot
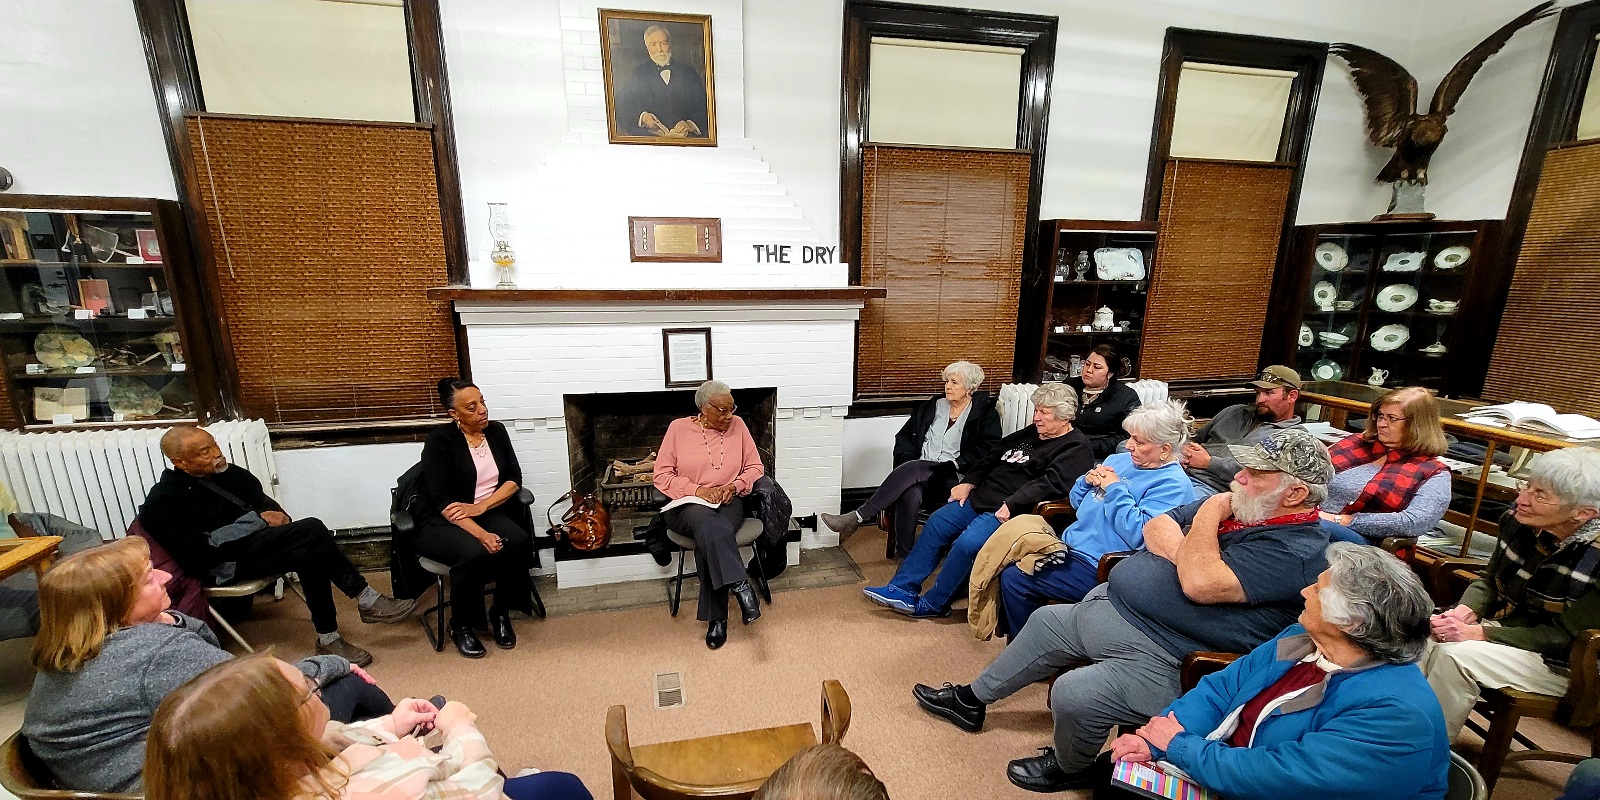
(1104,319)
(1377,377)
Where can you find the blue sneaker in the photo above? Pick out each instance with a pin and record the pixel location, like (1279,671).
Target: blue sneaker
(926,610)
(892,597)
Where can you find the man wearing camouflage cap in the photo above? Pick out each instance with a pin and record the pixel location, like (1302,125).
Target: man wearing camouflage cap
(1209,462)
(1221,574)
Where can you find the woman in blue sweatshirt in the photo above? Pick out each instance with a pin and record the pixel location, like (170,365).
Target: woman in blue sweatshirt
(1114,501)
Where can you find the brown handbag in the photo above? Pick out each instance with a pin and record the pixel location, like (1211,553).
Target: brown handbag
(586,525)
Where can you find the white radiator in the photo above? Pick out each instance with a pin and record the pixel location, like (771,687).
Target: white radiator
(1016,407)
(99,478)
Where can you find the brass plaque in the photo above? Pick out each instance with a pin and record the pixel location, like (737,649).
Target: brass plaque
(677,240)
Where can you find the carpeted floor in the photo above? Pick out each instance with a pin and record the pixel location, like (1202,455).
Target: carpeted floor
(543,704)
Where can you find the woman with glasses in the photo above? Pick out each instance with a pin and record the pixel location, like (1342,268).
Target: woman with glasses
(706,466)
(109,649)
(1388,480)
(1519,617)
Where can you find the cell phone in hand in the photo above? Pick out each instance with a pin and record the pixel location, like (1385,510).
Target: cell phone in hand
(437,701)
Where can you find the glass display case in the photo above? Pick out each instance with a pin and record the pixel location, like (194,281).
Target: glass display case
(90,330)
(1099,287)
(1389,304)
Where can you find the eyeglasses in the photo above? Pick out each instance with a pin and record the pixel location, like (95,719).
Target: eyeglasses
(1538,494)
(1392,419)
(315,691)
(732,407)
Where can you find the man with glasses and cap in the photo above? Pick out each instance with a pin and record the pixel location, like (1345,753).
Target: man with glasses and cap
(1207,459)
(1222,574)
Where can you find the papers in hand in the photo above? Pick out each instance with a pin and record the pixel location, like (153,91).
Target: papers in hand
(1537,416)
(1158,779)
(683,501)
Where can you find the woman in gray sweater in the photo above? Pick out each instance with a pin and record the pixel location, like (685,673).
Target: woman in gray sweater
(109,650)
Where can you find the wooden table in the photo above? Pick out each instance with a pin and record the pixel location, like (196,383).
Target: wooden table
(37,552)
(1341,398)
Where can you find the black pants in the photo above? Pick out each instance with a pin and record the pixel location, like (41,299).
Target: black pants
(306,548)
(472,566)
(716,556)
(351,699)
(904,491)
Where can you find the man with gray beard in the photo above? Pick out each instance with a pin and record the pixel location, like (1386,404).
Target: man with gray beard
(1222,574)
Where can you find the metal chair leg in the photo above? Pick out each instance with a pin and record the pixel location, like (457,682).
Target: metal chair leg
(436,638)
(675,587)
(762,589)
(538,602)
(222,621)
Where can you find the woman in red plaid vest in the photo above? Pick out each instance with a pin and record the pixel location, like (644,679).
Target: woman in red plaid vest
(1387,480)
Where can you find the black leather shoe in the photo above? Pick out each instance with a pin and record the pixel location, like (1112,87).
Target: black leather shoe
(945,704)
(749,606)
(717,633)
(500,624)
(466,641)
(1042,773)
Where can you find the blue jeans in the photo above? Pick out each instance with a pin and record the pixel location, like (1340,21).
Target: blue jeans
(1022,594)
(1340,533)
(957,530)
(1203,490)
(547,786)
(1584,783)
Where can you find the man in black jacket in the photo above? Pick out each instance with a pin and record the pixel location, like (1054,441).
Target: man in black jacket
(218,524)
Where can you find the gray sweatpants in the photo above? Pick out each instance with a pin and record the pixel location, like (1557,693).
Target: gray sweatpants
(1124,677)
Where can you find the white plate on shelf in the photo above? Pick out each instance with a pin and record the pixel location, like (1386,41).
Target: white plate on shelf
(1404,262)
(1396,297)
(1452,257)
(1323,294)
(1331,257)
(1389,337)
(1332,339)
(1119,264)
(1307,338)
(1327,370)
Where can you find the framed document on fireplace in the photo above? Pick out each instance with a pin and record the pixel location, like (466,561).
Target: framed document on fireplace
(686,355)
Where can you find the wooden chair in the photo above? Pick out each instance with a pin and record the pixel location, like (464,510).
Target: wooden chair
(732,765)
(24,775)
(1200,664)
(1578,708)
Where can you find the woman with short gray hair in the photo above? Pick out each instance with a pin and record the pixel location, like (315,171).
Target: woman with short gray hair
(1114,501)
(1039,462)
(1537,589)
(942,440)
(710,461)
(1333,707)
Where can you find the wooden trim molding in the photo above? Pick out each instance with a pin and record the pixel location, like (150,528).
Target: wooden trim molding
(1034,34)
(841,294)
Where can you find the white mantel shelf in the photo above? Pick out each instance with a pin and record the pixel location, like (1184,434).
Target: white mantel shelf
(548,296)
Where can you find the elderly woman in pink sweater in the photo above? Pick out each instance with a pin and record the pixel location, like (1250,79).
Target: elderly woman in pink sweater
(706,466)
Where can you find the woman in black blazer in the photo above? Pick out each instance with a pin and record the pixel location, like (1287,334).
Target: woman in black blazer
(470,475)
(1103,401)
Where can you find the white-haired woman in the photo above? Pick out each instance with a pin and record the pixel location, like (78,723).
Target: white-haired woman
(1333,707)
(1537,590)
(941,441)
(710,462)
(1114,501)
(1037,463)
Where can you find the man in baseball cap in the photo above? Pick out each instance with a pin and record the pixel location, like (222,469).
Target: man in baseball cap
(1222,574)
(1210,463)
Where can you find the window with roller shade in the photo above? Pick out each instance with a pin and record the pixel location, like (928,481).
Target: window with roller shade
(943,231)
(1233,113)
(1589,112)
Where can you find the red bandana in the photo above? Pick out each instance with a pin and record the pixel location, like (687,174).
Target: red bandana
(1230,524)
(1398,478)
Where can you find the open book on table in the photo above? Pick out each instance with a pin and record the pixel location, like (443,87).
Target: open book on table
(1537,416)
(1158,779)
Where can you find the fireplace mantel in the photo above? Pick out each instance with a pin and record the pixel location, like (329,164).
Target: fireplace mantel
(840,293)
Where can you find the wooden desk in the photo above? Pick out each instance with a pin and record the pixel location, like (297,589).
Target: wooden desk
(1341,398)
(37,552)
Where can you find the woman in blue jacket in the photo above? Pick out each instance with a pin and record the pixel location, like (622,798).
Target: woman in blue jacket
(1335,707)
(1114,501)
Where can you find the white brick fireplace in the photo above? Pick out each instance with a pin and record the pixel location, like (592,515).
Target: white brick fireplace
(530,348)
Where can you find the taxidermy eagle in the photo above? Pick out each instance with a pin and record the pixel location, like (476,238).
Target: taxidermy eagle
(1390,94)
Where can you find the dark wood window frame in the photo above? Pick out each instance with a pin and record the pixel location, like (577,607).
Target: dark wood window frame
(175,75)
(1035,35)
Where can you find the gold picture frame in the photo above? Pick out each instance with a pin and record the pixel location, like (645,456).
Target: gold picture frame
(656,102)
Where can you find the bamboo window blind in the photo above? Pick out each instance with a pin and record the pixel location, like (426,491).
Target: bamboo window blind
(942,230)
(1546,348)
(326,237)
(1220,224)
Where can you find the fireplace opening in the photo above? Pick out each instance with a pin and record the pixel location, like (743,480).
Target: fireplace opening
(629,426)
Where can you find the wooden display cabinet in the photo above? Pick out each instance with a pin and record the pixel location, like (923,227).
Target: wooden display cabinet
(1070,304)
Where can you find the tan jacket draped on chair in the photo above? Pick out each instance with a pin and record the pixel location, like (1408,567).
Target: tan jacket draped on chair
(1023,541)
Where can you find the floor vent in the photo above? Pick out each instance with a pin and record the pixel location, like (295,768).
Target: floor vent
(669,690)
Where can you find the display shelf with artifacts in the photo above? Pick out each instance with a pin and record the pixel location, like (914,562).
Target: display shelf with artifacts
(89,330)
(1098,285)
(1378,303)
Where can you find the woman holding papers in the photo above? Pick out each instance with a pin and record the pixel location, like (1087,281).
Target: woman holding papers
(705,466)
(1335,707)
(1387,479)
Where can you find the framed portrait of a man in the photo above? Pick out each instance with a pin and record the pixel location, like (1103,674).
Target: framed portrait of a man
(658,78)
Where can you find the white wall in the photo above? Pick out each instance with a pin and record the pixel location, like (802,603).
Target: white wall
(345,487)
